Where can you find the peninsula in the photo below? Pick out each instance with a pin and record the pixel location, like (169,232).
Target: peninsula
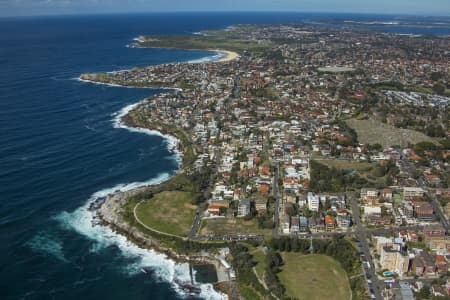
(279,170)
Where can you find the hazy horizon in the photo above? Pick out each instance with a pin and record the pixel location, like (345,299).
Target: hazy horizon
(9,8)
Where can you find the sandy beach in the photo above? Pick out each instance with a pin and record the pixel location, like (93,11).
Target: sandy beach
(229,55)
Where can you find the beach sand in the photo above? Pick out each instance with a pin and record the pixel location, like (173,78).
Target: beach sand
(229,55)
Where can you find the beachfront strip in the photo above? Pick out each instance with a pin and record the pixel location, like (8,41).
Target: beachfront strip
(316,134)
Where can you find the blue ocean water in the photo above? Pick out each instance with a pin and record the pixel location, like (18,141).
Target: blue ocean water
(59,149)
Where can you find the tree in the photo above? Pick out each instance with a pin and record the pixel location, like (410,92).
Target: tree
(424,292)
(439,88)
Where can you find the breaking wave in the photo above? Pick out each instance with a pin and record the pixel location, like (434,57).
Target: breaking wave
(81,221)
(213,58)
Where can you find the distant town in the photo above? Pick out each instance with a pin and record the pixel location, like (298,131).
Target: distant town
(306,141)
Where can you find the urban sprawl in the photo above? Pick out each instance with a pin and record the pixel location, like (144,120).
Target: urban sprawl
(314,134)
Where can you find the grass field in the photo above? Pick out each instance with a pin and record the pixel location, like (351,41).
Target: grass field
(348,165)
(363,169)
(375,132)
(260,257)
(225,226)
(203,42)
(169,212)
(314,277)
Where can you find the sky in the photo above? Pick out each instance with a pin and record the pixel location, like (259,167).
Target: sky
(59,7)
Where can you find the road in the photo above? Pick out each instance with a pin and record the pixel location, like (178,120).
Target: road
(276,214)
(436,205)
(376,287)
(202,207)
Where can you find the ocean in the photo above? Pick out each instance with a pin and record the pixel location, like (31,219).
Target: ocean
(61,147)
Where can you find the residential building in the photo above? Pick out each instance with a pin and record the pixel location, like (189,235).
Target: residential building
(424,211)
(329,222)
(369,193)
(261,206)
(343,221)
(285,223)
(392,259)
(244,207)
(313,201)
(412,192)
(423,264)
(295,224)
(303,224)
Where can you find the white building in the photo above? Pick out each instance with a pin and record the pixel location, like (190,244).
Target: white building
(313,201)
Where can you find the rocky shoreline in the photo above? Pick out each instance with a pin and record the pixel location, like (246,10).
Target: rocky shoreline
(109,210)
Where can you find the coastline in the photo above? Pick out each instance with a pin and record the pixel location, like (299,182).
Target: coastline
(227,54)
(108,210)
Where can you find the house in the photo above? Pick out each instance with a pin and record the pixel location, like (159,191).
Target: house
(378,219)
(316,224)
(285,223)
(329,222)
(303,224)
(439,244)
(423,264)
(412,192)
(441,264)
(213,210)
(386,194)
(290,184)
(402,291)
(295,225)
(435,230)
(438,291)
(432,179)
(302,200)
(261,206)
(343,221)
(216,207)
(264,188)
(236,194)
(369,193)
(244,207)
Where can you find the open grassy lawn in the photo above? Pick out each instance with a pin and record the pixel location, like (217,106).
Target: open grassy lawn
(348,165)
(224,226)
(170,212)
(375,132)
(363,169)
(314,277)
(260,257)
(203,42)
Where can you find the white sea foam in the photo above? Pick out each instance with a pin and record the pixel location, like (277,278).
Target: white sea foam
(165,269)
(109,84)
(81,221)
(200,33)
(136,39)
(213,58)
(171,141)
(125,86)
